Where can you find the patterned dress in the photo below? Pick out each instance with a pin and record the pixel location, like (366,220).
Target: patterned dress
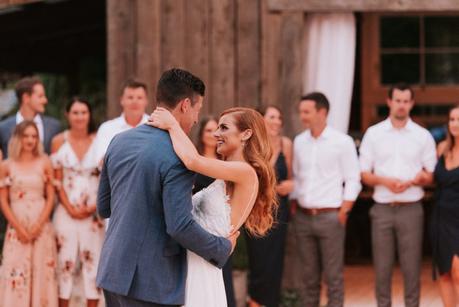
(28,271)
(78,239)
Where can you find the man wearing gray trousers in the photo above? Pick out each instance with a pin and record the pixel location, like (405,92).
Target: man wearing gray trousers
(327,182)
(397,158)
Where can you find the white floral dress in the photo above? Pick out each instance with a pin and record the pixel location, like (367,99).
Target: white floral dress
(78,239)
(204,282)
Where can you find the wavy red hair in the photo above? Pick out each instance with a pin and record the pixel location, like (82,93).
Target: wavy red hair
(258,152)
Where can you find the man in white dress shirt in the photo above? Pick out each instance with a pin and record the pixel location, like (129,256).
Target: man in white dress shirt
(327,183)
(397,158)
(134,101)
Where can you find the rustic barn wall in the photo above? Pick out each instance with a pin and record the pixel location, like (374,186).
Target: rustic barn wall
(8,3)
(246,54)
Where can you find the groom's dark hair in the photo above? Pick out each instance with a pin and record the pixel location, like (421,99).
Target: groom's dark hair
(177,84)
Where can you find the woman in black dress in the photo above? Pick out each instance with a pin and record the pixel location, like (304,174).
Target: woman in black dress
(445,217)
(266,255)
(206,145)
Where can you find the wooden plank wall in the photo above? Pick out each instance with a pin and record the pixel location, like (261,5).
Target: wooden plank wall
(198,42)
(248,75)
(222,57)
(246,54)
(9,3)
(121,44)
(365,5)
(148,43)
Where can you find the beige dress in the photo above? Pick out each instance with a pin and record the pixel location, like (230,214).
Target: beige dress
(78,241)
(28,271)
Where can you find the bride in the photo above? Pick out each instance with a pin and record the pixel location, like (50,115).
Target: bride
(243,194)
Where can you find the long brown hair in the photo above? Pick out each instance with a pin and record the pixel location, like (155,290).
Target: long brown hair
(258,152)
(202,125)
(450,139)
(15,143)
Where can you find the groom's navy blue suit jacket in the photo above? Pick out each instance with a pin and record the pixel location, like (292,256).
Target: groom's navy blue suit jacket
(145,190)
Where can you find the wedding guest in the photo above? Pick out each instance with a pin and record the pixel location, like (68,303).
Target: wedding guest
(79,230)
(28,272)
(327,182)
(207,146)
(397,158)
(266,254)
(133,101)
(445,216)
(32,100)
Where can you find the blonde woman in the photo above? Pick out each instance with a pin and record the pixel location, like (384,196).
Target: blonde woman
(27,275)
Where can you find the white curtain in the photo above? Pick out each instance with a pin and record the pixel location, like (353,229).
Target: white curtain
(330,59)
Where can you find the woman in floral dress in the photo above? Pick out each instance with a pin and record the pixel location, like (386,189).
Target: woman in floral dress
(28,272)
(79,231)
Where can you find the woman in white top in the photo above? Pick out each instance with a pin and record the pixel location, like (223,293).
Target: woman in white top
(79,231)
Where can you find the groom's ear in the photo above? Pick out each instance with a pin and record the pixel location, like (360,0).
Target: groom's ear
(185,105)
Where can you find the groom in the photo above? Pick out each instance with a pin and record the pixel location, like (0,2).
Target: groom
(146,192)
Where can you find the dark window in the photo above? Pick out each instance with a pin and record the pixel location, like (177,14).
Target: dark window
(400,67)
(420,50)
(399,32)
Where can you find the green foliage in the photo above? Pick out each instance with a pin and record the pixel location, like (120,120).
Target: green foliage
(57,91)
(290,298)
(92,76)
(240,258)
(88,82)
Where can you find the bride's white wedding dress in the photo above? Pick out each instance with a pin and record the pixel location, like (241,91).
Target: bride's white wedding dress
(204,283)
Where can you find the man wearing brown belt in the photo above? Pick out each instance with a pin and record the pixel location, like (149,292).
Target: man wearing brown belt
(327,182)
(397,158)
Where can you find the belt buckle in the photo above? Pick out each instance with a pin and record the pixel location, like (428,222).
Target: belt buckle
(314,212)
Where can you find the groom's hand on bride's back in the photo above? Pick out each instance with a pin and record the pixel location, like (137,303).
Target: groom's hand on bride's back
(233,239)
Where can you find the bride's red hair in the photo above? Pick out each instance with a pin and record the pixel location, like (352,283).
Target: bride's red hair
(258,152)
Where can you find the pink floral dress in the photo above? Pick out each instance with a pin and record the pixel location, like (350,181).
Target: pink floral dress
(78,239)
(28,271)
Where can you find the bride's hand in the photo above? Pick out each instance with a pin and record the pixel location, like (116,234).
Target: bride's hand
(161,118)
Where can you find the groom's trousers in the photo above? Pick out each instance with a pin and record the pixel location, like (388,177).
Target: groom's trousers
(117,300)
